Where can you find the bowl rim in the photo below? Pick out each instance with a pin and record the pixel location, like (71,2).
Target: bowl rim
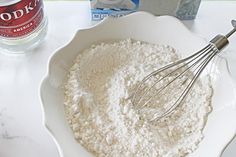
(59,50)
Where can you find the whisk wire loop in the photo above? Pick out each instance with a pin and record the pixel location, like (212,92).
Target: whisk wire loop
(163,68)
(179,75)
(200,68)
(199,56)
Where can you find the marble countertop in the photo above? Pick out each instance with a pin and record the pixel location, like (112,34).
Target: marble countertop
(22,133)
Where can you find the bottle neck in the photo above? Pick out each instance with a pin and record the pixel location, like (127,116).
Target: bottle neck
(8,2)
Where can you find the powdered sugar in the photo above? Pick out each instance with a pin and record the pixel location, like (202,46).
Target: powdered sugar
(102,117)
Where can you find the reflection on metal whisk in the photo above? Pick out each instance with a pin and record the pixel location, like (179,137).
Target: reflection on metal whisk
(157,91)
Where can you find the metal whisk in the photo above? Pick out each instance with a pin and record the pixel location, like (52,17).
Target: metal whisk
(164,89)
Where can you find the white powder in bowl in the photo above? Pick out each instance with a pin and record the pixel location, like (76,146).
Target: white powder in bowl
(102,117)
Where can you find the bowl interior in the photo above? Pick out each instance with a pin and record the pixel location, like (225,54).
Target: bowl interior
(142,26)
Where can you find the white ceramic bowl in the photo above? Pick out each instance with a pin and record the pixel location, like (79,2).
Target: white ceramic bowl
(221,125)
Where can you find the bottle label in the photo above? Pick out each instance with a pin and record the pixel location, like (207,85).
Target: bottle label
(21,18)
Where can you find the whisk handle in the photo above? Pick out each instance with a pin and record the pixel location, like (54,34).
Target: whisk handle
(233,22)
(220,41)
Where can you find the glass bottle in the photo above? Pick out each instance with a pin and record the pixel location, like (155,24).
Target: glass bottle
(23,25)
